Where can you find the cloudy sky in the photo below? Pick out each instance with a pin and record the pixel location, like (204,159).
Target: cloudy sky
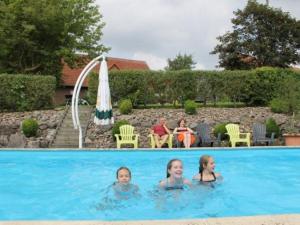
(155,30)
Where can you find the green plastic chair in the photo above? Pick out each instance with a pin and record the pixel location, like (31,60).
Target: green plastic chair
(169,141)
(233,130)
(127,136)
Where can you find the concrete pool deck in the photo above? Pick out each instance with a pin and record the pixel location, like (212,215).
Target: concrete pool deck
(289,219)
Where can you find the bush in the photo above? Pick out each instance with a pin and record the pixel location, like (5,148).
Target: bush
(252,87)
(190,107)
(30,127)
(220,128)
(26,92)
(116,127)
(279,105)
(288,99)
(125,106)
(272,127)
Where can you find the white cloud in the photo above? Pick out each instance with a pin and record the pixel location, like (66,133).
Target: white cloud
(154,62)
(199,66)
(159,29)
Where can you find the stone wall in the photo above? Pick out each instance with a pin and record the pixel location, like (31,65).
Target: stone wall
(10,128)
(142,120)
(101,136)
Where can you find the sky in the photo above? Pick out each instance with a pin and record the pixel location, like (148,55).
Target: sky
(155,30)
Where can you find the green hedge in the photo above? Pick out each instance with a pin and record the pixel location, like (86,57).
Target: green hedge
(26,92)
(252,87)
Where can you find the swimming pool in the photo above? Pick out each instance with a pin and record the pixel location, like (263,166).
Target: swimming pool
(72,185)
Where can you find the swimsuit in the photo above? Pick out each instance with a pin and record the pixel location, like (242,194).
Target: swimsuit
(174,186)
(180,136)
(208,181)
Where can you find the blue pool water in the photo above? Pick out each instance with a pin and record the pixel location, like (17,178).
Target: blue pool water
(72,185)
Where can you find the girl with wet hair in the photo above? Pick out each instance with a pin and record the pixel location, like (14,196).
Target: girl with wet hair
(174,178)
(207,172)
(122,187)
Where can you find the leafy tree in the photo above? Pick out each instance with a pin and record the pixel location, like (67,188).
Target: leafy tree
(36,35)
(261,36)
(181,62)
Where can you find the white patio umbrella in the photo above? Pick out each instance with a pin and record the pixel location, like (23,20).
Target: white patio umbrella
(103,115)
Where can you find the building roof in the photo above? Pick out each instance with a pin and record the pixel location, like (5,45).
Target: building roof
(70,75)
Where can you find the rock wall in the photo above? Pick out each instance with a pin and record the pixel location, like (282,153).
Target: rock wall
(10,128)
(101,136)
(142,120)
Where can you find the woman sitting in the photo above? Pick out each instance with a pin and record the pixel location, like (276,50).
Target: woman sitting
(185,135)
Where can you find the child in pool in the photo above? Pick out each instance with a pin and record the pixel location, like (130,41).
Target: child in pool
(174,179)
(206,173)
(122,187)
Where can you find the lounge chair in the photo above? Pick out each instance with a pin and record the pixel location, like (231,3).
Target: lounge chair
(233,130)
(169,141)
(204,137)
(259,134)
(127,136)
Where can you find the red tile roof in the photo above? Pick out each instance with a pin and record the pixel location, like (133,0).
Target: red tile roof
(70,76)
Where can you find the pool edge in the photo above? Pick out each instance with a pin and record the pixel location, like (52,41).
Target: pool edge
(154,150)
(284,219)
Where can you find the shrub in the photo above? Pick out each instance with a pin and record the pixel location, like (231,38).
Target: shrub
(26,92)
(252,87)
(288,99)
(116,127)
(125,106)
(30,127)
(279,105)
(272,126)
(220,128)
(190,107)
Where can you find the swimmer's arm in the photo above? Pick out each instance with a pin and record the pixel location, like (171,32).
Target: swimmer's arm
(219,176)
(187,182)
(175,131)
(162,184)
(196,177)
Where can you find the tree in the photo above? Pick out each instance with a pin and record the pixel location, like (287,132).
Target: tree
(261,36)
(181,62)
(36,35)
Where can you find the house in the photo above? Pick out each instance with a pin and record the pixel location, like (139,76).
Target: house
(70,76)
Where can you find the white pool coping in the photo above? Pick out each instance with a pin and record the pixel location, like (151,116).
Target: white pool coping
(155,150)
(287,219)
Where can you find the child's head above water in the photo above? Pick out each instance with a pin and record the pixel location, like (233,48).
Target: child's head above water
(206,162)
(123,175)
(174,168)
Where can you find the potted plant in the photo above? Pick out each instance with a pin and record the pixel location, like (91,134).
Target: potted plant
(292,135)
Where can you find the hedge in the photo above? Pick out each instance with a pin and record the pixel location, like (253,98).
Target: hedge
(252,87)
(26,92)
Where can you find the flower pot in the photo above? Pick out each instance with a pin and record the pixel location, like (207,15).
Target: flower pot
(292,139)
